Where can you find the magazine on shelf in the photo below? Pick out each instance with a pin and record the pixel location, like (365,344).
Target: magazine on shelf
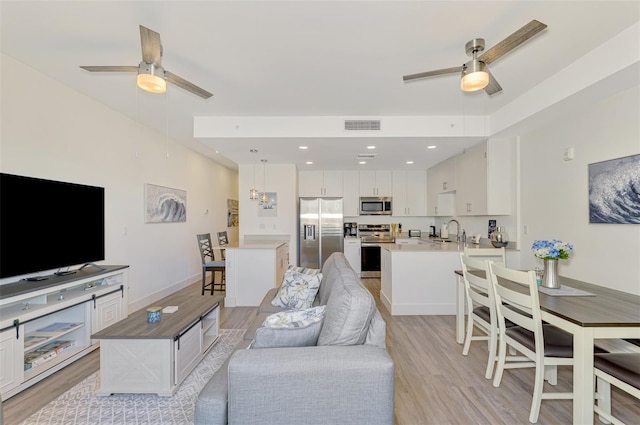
(45,353)
(31,340)
(60,327)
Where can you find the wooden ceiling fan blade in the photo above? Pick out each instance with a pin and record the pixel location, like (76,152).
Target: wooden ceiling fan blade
(188,86)
(151,46)
(493,87)
(443,71)
(110,68)
(513,41)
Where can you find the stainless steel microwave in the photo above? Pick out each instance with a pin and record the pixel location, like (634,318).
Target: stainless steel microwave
(375,206)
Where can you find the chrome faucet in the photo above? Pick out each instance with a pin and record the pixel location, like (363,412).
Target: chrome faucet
(457,228)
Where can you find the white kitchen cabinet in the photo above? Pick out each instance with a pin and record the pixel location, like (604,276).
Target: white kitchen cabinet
(409,193)
(441,184)
(376,183)
(350,193)
(320,183)
(483,179)
(352,251)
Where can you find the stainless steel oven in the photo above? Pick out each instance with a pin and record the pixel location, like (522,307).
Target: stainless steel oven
(372,236)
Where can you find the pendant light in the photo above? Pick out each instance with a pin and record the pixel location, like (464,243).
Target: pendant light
(253,193)
(264,198)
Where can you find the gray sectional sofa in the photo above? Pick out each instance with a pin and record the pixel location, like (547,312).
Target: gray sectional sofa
(347,378)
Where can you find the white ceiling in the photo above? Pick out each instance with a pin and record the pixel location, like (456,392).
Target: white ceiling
(305,58)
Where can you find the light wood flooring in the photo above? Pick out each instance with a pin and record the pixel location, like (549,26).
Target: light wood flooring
(435,383)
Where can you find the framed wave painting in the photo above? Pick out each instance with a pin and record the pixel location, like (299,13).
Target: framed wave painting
(164,205)
(614,191)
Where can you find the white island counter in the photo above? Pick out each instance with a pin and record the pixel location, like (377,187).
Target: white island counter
(419,278)
(253,266)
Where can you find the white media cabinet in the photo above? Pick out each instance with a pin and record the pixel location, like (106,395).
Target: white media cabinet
(46,325)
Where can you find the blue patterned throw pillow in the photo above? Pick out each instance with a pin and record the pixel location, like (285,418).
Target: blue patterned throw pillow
(297,290)
(291,328)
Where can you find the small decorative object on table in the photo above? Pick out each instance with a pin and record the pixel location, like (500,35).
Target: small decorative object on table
(153,314)
(499,238)
(551,251)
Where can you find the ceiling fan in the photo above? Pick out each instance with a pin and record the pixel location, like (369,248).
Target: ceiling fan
(475,73)
(152,76)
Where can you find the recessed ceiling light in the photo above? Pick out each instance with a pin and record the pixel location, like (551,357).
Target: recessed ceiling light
(362,162)
(409,162)
(303,147)
(371,147)
(309,162)
(431,147)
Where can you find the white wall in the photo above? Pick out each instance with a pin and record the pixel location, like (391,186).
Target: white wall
(53,132)
(282,179)
(554,192)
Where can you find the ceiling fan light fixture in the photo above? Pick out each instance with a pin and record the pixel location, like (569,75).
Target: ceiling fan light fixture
(474,76)
(151,78)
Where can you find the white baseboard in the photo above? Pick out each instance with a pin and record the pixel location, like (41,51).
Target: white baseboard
(151,298)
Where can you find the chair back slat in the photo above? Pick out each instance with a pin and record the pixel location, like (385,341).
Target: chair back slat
(497,255)
(516,295)
(476,284)
(205,247)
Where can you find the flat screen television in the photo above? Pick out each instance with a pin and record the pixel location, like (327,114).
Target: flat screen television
(46,224)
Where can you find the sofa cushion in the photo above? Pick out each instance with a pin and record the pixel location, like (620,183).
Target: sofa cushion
(266,306)
(377,333)
(350,308)
(256,323)
(297,290)
(297,328)
(329,274)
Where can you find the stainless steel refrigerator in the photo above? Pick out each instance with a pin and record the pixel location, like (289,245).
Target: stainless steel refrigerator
(321,232)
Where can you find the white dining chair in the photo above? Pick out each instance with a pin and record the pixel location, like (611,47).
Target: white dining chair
(481,308)
(497,255)
(621,370)
(516,295)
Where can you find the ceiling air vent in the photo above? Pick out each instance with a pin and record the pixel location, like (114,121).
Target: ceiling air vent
(356,125)
(366,156)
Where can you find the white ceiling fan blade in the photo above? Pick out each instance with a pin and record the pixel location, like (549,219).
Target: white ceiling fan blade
(151,46)
(110,68)
(188,86)
(444,71)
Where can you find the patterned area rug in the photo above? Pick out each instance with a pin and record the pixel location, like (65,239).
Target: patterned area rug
(80,405)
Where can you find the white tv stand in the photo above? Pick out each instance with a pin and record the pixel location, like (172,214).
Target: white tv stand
(46,325)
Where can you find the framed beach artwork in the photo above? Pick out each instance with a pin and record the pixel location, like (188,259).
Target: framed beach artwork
(232,213)
(614,191)
(164,204)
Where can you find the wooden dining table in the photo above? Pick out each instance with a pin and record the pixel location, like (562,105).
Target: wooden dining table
(607,313)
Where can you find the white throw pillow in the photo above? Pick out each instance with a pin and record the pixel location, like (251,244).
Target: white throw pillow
(292,328)
(297,290)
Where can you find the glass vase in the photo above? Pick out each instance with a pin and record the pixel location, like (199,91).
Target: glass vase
(550,278)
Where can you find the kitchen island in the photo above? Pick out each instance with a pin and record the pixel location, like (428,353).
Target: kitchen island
(418,278)
(253,266)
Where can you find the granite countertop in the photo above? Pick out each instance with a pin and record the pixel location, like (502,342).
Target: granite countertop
(425,244)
